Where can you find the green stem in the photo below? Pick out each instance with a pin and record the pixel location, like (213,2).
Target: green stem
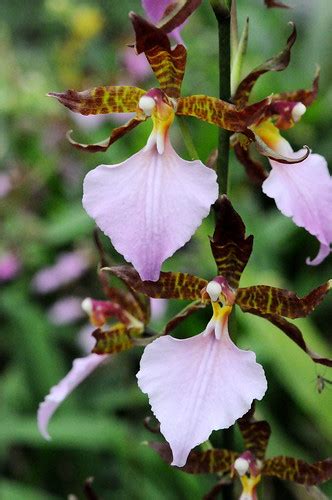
(222,12)
(187,138)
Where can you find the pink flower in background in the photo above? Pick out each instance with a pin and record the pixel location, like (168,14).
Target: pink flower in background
(152,203)
(155,10)
(82,367)
(5,185)
(136,65)
(10,266)
(199,384)
(68,267)
(66,310)
(302,191)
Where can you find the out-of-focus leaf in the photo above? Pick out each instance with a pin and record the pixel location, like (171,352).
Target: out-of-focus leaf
(13,490)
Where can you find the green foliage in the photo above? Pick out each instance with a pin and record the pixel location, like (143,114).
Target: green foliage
(99,430)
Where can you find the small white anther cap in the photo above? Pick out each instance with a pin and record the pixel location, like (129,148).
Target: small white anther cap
(214,290)
(147,104)
(87,306)
(298,110)
(241,465)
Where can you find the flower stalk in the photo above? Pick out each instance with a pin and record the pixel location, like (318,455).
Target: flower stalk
(222,11)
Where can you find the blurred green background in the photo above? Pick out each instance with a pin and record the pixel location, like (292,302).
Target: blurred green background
(51,46)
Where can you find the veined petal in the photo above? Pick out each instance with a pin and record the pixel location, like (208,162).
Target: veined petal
(155,10)
(198,385)
(150,205)
(303,191)
(82,367)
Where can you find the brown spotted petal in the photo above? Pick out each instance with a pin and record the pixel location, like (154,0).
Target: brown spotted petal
(169,286)
(254,169)
(276,63)
(167,64)
(230,247)
(182,315)
(205,462)
(291,469)
(178,13)
(210,461)
(272,3)
(101,100)
(116,134)
(116,339)
(270,300)
(295,334)
(222,113)
(256,435)
(130,301)
(306,96)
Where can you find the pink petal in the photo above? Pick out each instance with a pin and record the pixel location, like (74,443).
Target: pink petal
(303,191)
(68,267)
(198,385)
(155,10)
(150,205)
(82,367)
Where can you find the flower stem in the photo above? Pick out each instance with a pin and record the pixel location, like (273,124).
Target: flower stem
(222,11)
(187,138)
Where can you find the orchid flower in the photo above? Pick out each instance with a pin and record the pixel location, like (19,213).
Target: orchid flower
(206,382)
(250,466)
(300,182)
(131,316)
(154,189)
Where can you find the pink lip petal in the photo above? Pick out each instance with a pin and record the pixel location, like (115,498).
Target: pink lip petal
(198,385)
(150,205)
(303,191)
(82,367)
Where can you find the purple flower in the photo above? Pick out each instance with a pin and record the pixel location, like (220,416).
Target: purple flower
(66,310)
(5,185)
(9,267)
(68,267)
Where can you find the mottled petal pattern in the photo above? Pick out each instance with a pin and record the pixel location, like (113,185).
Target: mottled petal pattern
(150,205)
(303,191)
(82,367)
(198,385)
